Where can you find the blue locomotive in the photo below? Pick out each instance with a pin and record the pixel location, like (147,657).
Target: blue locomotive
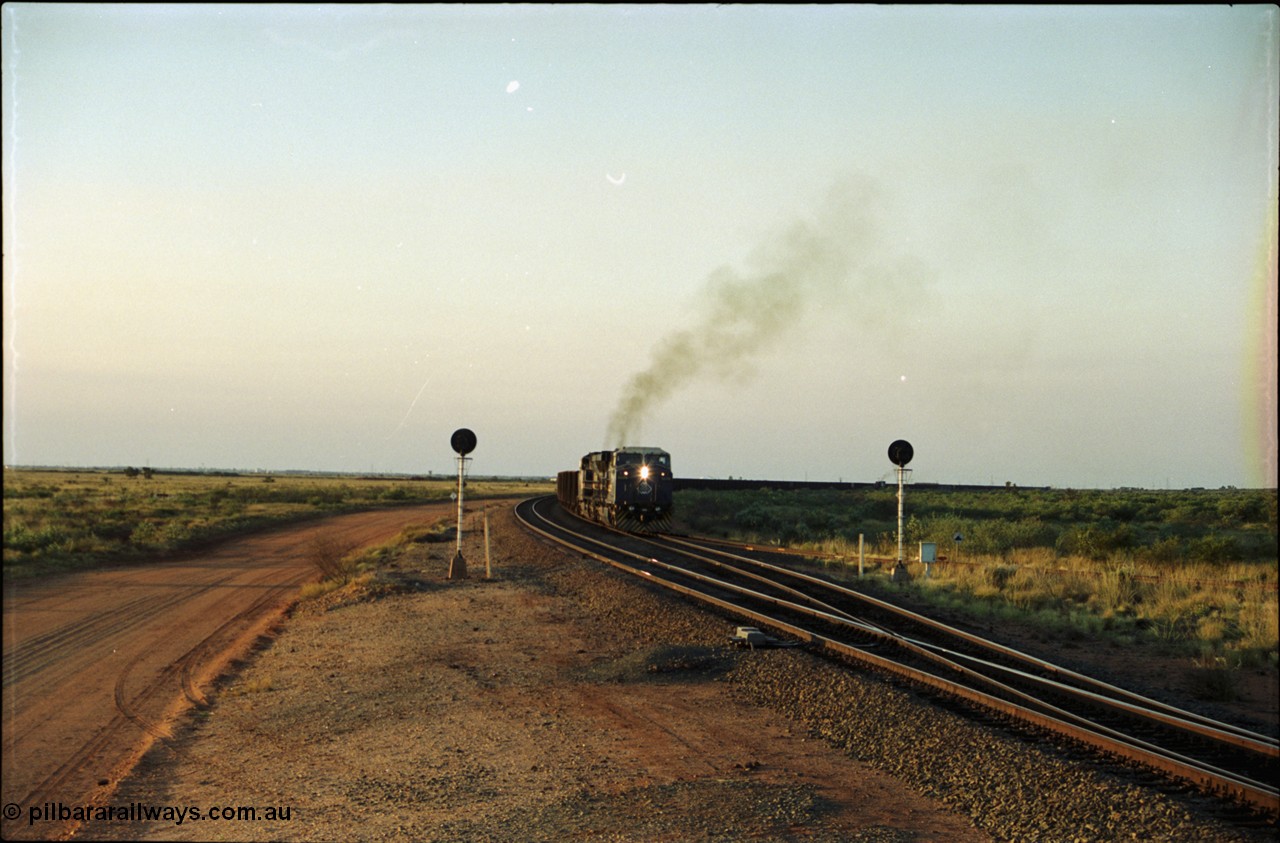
(628,488)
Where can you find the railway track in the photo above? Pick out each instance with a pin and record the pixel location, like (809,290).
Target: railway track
(1239,766)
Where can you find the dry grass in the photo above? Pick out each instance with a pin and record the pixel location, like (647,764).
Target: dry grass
(342,565)
(256,685)
(1225,616)
(1191,573)
(67,520)
(333,558)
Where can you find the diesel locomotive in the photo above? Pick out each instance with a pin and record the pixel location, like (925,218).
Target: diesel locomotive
(628,488)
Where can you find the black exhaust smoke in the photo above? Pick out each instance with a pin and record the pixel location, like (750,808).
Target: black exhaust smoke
(837,256)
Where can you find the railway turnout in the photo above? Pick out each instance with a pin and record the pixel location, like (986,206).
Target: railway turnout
(1234,764)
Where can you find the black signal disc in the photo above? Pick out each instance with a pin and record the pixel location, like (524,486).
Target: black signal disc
(900,452)
(463,441)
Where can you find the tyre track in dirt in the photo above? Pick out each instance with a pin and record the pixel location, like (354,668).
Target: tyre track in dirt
(97,664)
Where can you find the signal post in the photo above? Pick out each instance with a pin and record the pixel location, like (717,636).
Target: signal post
(463,442)
(900,453)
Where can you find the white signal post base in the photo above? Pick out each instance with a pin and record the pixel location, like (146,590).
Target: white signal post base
(900,573)
(458,566)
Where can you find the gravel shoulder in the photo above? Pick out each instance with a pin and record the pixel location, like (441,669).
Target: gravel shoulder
(559,700)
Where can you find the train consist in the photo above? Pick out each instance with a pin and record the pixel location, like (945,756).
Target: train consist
(628,488)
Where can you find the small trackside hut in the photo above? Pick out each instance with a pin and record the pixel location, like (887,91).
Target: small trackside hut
(629,488)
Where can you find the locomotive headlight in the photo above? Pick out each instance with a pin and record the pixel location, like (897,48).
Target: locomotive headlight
(644,472)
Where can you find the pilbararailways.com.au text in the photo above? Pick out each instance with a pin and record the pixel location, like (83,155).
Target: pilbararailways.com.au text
(139,812)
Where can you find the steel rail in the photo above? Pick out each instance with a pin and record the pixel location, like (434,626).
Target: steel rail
(1154,709)
(1210,779)
(1141,706)
(939,655)
(945,657)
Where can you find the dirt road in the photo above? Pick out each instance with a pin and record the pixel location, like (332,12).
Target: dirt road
(98,664)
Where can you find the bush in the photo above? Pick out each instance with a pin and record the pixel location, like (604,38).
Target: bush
(1095,542)
(145,534)
(333,558)
(1214,549)
(1163,550)
(22,538)
(999,576)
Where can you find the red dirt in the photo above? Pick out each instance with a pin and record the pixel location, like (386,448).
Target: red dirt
(97,665)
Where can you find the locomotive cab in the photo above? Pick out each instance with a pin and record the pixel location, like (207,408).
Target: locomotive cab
(643,488)
(630,488)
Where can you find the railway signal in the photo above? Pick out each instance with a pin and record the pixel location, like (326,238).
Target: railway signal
(463,442)
(900,453)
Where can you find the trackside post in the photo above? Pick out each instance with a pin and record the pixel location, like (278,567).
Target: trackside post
(463,442)
(900,453)
(488,568)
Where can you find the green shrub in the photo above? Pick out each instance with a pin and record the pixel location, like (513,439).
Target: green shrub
(145,534)
(1214,549)
(22,538)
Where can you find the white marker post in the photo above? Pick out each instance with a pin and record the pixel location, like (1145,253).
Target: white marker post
(488,567)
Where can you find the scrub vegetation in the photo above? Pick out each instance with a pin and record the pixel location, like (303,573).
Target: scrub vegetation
(1191,572)
(66,520)
(343,565)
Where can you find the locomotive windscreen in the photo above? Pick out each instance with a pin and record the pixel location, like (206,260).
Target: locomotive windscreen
(633,458)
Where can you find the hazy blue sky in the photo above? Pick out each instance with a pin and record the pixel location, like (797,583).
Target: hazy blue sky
(1039,243)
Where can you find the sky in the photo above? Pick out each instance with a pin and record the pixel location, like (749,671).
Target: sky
(1038,243)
